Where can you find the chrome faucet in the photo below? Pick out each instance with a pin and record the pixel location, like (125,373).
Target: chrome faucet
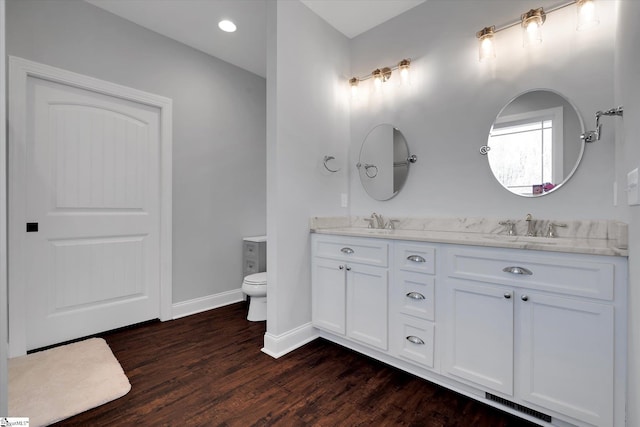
(378,219)
(511,231)
(551,231)
(531,225)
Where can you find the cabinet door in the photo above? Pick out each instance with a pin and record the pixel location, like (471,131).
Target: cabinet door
(367,305)
(479,337)
(328,295)
(567,354)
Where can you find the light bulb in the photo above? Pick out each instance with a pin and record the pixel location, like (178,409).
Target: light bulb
(587,16)
(533,34)
(354,87)
(377,79)
(487,47)
(532,26)
(403,66)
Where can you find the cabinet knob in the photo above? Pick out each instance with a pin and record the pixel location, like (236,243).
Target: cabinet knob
(415,295)
(346,250)
(416,258)
(507,295)
(341,267)
(415,340)
(348,268)
(524,298)
(517,270)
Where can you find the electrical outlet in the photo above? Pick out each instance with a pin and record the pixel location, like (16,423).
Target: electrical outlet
(633,191)
(344,200)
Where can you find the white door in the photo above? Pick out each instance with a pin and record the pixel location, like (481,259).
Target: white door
(91,237)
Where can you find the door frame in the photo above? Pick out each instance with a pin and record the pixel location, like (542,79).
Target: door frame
(19,71)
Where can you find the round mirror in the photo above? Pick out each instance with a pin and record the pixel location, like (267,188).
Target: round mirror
(534,145)
(384,162)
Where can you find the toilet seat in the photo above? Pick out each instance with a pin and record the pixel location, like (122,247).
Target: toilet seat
(256,279)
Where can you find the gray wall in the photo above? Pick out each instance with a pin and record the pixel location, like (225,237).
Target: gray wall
(308,118)
(628,158)
(219,127)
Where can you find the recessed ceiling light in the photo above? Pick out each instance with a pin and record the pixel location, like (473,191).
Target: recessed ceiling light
(227,26)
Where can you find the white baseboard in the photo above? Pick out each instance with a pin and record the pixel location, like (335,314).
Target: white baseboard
(198,305)
(278,345)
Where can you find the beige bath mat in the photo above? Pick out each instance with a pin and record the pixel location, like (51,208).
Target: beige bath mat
(55,384)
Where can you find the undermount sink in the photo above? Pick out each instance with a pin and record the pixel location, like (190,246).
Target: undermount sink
(377,230)
(533,239)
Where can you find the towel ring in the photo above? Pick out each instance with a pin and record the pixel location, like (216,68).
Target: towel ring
(326,160)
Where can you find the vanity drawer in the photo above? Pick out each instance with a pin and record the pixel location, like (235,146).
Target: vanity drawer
(250,266)
(366,251)
(415,294)
(251,249)
(415,257)
(560,273)
(415,340)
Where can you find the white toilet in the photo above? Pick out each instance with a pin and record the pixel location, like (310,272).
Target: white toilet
(255,286)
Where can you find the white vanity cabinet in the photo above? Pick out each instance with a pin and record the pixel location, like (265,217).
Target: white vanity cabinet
(350,279)
(536,333)
(538,330)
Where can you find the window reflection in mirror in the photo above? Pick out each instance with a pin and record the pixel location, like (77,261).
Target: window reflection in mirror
(535,143)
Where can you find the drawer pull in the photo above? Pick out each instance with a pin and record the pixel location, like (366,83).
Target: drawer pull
(517,270)
(507,295)
(347,250)
(415,340)
(416,258)
(415,295)
(524,298)
(341,267)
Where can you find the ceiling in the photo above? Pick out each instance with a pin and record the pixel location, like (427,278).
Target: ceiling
(194,22)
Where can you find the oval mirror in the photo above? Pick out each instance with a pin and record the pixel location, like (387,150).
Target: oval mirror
(384,161)
(534,145)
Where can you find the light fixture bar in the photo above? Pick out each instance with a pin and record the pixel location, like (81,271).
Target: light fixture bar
(547,11)
(384,72)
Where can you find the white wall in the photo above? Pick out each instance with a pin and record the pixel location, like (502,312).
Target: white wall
(628,158)
(219,123)
(308,119)
(447,112)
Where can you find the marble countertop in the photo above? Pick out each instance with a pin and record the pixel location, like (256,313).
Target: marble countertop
(588,243)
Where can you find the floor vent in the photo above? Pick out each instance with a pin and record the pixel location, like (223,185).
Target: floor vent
(520,408)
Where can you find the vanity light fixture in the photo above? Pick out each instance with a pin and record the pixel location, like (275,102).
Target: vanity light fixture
(403,66)
(532,26)
(587,16)
(531,23)
(354,86)
(487,46)
(382,75)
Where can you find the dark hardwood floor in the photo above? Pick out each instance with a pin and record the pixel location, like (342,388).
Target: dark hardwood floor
(208,370)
